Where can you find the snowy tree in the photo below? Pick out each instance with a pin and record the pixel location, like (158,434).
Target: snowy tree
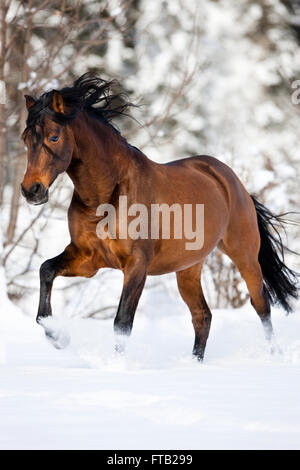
(212,77)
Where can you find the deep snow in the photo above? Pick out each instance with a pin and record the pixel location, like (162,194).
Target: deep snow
(156,396)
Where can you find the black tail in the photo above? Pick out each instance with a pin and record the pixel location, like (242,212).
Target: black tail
(280,282)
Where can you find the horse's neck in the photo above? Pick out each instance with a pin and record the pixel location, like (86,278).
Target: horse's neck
(102,160)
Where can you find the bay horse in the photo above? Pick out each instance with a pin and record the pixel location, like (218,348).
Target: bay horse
(71,131)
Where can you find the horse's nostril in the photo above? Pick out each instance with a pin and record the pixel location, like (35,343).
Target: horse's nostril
(35,188)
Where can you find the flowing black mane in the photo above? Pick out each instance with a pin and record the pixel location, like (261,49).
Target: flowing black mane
(90,93)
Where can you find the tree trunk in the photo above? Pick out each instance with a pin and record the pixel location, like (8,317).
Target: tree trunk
(18,173)
(20,159)
(4,7)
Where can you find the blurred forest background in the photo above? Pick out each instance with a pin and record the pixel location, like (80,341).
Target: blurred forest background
(212,77)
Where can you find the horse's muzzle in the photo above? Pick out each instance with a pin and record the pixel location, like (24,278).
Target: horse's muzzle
(37,194)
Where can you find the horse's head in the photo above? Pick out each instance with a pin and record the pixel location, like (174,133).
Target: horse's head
(50,145)
(49,136)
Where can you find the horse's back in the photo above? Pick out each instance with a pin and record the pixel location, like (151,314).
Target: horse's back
(207,165)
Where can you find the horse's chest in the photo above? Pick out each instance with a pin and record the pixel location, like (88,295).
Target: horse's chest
(100,252)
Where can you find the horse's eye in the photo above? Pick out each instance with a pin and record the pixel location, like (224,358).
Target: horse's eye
(54,138)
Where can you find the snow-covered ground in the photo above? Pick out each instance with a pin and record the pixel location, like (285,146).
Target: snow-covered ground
(156,396)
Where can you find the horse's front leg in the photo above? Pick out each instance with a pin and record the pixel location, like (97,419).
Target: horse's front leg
(135,274)
(70,262)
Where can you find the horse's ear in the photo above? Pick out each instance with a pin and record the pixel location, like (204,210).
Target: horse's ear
(57,102)
(29,101)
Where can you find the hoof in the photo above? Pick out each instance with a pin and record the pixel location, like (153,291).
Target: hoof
(120,349)
(198,357)
(56,334)
(58,338)
(198,354)
(275,350)
(120,344)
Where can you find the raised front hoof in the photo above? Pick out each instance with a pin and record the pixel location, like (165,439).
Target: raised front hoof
(59,339)
(55,332)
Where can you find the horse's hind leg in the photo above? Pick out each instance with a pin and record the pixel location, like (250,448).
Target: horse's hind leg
(245,257)
(189,285)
